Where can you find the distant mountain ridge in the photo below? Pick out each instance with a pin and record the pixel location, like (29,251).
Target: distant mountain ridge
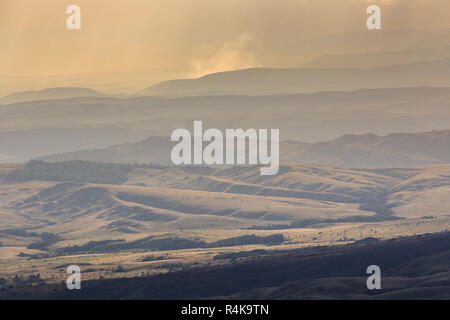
(49,94)
(267,81)
(400,149)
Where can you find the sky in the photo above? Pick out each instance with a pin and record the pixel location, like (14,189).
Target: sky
(127,45)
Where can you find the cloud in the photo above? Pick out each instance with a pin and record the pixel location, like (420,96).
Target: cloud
(185,38)
(231,55)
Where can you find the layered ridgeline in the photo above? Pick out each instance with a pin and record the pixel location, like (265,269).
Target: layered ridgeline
(368,150)
(39,128)
(349,61)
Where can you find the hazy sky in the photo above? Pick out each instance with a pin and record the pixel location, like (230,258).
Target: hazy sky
(130,44)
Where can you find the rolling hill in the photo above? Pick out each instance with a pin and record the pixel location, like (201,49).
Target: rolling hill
(87,190)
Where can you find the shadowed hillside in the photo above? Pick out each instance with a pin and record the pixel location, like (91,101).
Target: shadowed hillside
(412,268)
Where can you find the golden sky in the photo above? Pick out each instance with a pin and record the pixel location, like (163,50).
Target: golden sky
(146,41)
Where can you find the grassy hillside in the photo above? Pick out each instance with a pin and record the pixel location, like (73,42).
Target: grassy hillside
(111,198)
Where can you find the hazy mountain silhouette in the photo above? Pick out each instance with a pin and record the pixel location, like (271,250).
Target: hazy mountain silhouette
(50,93)
(264,81)
(368,150)
(151,150)
(22,145)
(402,149)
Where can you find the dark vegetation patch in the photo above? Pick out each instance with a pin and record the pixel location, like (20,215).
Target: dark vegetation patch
(377,202)
(76,171)
(120,269)
(273,239)
(169,243)
(367,240)
(242,254)
(20,281)
(47,239)
(308,223)
(19,233)
(34,256)
(155,258)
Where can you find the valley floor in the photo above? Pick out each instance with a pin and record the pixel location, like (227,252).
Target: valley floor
(124,222)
